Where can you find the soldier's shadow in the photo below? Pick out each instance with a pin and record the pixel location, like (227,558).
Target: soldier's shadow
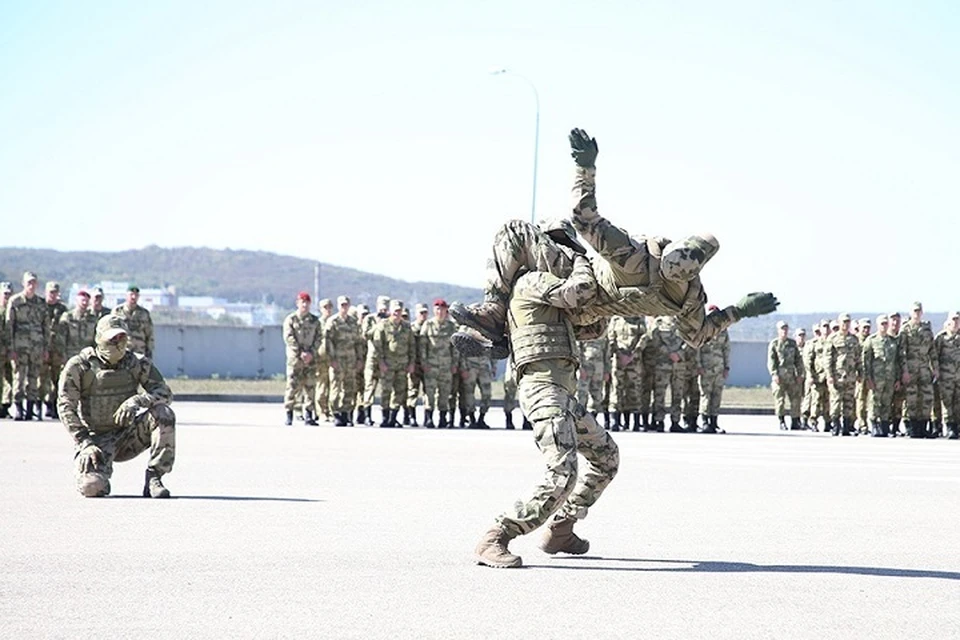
(600,563)
(227,498)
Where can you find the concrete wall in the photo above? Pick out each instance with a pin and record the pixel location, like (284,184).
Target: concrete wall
(252,352)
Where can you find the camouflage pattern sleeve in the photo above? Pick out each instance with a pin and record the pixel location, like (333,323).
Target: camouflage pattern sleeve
(289,335)
(613,242)
(148,334)
(411,348)
(695,326)
(68,400)
(726,350)
(378,342)
(831,349)
(423,344)
(153,383)
(934,357)
(564,293)
(866,354)
(11,317)
(773,360)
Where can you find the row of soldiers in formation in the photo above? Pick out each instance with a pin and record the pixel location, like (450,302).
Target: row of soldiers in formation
(38,334)
(896,380)
(337,360)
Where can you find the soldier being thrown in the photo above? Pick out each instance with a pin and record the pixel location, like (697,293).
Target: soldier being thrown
(116,405)
(636,275)
(544,349)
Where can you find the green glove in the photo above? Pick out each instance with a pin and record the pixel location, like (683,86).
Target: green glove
(757,304)
(583,148)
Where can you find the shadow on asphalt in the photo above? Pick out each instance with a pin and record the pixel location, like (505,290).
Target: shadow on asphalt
(709,566)
(229,498)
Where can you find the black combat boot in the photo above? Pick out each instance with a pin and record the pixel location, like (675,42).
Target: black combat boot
(481,422)
(21,414)
(606,420)
(952,433)
(340,419)
(526,425)
(675,426)
(637,422)
(936,429)
(443,424)
(368,420)
(289,419)
(847,427)
(428,418)
(51,410)
(406,416)
(913,429)
(508,416)
(645,417)
(33,410)
(616,421)
(361,414)
(413,416)
(691,424)
(783,423)
(4,410)
(385,421)
(709,424)
(309,419)
(394,422)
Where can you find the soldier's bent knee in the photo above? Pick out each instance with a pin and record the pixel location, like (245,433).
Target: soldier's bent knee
(93,485)
(163,414)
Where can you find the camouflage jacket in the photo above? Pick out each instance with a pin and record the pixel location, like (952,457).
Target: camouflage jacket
(880,358)
(783,358)
(844,358)
(53,313)
(434,346)
(948,354)
(301,335)
(917,349)
(595,356)
(75,331)
(343,341)
(27,324)
(666,340)
(714,356)
(393,344)
(626,338)
(139,327)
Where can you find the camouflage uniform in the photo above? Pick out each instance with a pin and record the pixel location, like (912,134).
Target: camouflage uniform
(53,363)
(140,325)
(371,368)
(415,385)
(90,393)
(668,346)
(816,372)
(475,371)
(627,338)
(862,393)
(594,373)
(301,334)
(510,395)
(899,391)
(343,342)
(6,371)
(918,365)
(947,345)
(439,360)
(687,383)
(322,393)
(394,351)
(881,374)
(844,368)
(543,343)
(714,365)
(27,337)
(786,372)
(76,330)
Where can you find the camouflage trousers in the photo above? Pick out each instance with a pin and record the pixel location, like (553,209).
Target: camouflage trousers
(371,378)
(842,396)
(470,379)
(936,413)
(662,379)
(625,387)
(154,429)
(820,400)
(862,402)
(322,393)
(6,380)
(359,386)
(711,392)
(414,386)
(686,401)
(896,404)
(437,385)
(510,388)
(301,385)
(590,389)
(562,428)
(26,375)
(787,389)
(918,395)
(950,395)
(394,389)
(343,387)
(646,387)
(807,401)
(49,377)
(881,399)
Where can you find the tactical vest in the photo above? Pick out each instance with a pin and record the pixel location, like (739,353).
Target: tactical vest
(104,389)
(542,341)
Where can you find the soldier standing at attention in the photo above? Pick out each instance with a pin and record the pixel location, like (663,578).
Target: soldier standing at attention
(301,333)
(595,372)
(800,336)
(115,404)
(393,351)
(919,368)
(77,327)
(786,375)
(626,339)
(98,309)
(543,344)
(948,358)
(438,358)
(323,364)
(343,344)
(6,371)
(138,322)
(53,363)
(27,340)
(371,368)
(881,376)
(415,379)
(844,370)
(714,364)
(862,393)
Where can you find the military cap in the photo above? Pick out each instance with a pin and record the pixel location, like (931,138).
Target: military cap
(801,331)
(53,285)
(405,313)
(5,287)
(109,327)
(682,260)
(824,322)
(440,302)
(383,302)
(781,324)
(895,314)
(396,305)
(303,295)
(84,293)
(342,300)
(844,317)
(864,322)
(421,308)
(917,306)
(882,319)
(954,314)
(97,291)
(325,302)
(28,276)
(561,231)
(362,308)
(133,288)
(835,325)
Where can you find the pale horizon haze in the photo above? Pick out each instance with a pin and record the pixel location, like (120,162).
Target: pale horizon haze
(819,141)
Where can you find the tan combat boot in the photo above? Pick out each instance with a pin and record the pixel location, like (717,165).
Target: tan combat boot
(487,318)
(492,550)
(152,487)
(560,538)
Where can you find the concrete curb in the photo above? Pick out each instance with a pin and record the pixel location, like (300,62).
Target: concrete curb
(275,399)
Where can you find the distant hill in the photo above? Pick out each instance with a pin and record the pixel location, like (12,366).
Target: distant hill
(241,276)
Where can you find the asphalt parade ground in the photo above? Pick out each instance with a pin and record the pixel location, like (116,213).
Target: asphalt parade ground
(324,532)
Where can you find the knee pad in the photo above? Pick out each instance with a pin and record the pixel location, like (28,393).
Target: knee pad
(93,485)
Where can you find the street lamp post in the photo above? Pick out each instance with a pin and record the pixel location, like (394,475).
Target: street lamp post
(536,137)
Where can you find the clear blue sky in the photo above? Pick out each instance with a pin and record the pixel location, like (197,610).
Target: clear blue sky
(819,140)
